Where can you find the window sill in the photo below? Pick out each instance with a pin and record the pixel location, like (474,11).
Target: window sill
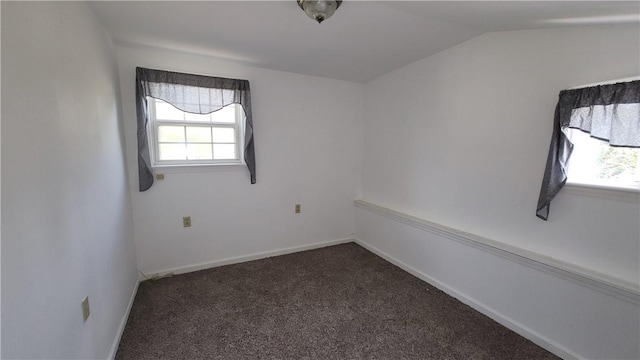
(603,191)
(195,168)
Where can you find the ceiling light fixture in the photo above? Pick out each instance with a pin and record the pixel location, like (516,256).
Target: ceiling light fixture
(319,10)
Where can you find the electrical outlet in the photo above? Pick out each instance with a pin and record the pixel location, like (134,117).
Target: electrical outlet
(297,208)
(85,308)
(186,221)
(159,176)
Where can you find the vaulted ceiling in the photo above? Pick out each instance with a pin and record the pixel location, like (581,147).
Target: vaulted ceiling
(363,39)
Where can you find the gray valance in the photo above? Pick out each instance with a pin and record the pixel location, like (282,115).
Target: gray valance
(607,112)
(194,94)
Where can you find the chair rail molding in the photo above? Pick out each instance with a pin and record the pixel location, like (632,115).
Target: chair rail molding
(619,288)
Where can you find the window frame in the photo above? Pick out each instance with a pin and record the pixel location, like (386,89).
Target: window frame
(154,143)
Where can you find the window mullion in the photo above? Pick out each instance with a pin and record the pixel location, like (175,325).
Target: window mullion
(212,153)
(186,148)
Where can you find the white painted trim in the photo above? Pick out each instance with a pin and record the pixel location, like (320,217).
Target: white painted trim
(194,168)
(512,325)
(244,258)
(619,288)
(123,322)
(603,192)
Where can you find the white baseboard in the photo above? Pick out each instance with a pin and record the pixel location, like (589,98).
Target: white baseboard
(244,258)
(123,322)
(505,321)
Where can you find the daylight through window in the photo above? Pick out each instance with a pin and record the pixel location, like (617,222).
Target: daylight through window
(183,138)
(595,162)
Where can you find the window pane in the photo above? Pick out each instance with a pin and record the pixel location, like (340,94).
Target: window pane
(595,162)
(224,135)
(173,152)
(170,133)
(224,151)
(199,151)
(166,111)
(197,117)
(225,115)
(198,134)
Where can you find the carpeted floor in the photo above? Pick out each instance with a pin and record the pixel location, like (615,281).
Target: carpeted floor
(339,302)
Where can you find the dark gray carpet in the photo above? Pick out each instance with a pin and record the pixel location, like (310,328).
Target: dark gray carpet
(339,302)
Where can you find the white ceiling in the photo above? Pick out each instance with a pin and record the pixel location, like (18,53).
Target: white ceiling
(363,39)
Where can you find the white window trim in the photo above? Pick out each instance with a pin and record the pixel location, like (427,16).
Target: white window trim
(194,165)
(602,192)
(607,187)
(179,169)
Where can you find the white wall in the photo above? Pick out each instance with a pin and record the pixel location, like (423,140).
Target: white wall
(461,139)
(571,318)
(307,152)
(66,216)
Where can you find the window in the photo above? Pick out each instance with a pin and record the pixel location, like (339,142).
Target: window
(182,138)
(594,162)
(189,119)
(610,112)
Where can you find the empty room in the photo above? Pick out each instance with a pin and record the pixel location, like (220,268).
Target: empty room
(305,179)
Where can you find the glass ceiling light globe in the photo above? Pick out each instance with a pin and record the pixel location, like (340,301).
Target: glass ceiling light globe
(319,10)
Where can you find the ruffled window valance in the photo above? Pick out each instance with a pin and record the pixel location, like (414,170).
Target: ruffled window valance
(194,94)
(607,112)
